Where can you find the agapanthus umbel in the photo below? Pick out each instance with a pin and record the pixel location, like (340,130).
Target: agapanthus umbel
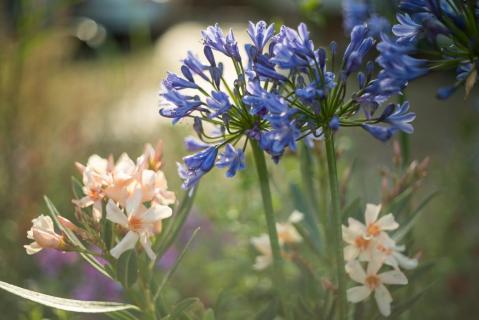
(286,91)
(371,243)
(444,34)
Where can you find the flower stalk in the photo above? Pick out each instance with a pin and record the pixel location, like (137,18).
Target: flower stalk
(278,273)
(336,224)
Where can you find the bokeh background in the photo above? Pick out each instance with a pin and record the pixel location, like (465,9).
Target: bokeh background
(82,77)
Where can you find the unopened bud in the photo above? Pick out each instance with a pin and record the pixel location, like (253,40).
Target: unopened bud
(328,285)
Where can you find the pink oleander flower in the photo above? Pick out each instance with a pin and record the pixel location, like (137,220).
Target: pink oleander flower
(287,234)
(371,241)
(141,223)
(96,175)
(44,236)
(152,157)
(372,281)
(122,175)
(360,237)
(154,187)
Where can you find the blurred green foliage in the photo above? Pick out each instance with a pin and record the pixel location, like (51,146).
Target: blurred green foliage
(55,110)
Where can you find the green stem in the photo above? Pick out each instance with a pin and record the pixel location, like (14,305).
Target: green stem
(336,224)
(278,276)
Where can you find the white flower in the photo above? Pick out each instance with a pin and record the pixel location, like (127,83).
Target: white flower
(96,175)
(373,282)
(287,234)
(44,236)
(155,187)
(392,255)
(151,157)
(141,223)
(375,226)
(362,238)
(123,174)
(371,242)
(263,246)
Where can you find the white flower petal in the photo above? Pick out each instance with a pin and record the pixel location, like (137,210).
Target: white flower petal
(349,235)
(350,253)
(375,264)
(262,262)
(295,217)
(356,271)
(146,244)
(128,242)
(356,226)
(115,214)
(405,262)
(393,277)
(387,222)
(262,244)
(157,212)
(383,299)
(32,248)
(133,202)
(97,210)
(372,212)
(357,294)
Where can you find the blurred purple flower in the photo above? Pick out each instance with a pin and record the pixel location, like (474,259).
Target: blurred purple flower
(51,261)
(95,286)
(168,260)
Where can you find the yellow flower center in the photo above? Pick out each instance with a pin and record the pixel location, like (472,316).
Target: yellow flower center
(135,224)
(373,281)
(361,243)
(374,230)
(383,249)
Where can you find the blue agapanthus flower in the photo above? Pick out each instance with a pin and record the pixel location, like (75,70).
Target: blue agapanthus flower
(363,12)
(444,34)
(231,158)
(287,90)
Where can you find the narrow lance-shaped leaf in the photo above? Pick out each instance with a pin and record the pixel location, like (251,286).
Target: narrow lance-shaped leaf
(66,304)
(175,266)
(77,188)
(169,235)
(407,226)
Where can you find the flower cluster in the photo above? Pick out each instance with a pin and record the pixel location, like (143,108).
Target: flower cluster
(135,195)
(358,12)
(443,32)
(370,243)
(286,91)
(287,235)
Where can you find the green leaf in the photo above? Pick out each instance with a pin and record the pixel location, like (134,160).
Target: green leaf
(183,306)
(209,315)
(269,312)
(66,304)
(77,188)
(179,218)
(127,268)
(409,223)
(74,239)
(310,223)
(400,308)
(170,272)
(352,210)
(107,233)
